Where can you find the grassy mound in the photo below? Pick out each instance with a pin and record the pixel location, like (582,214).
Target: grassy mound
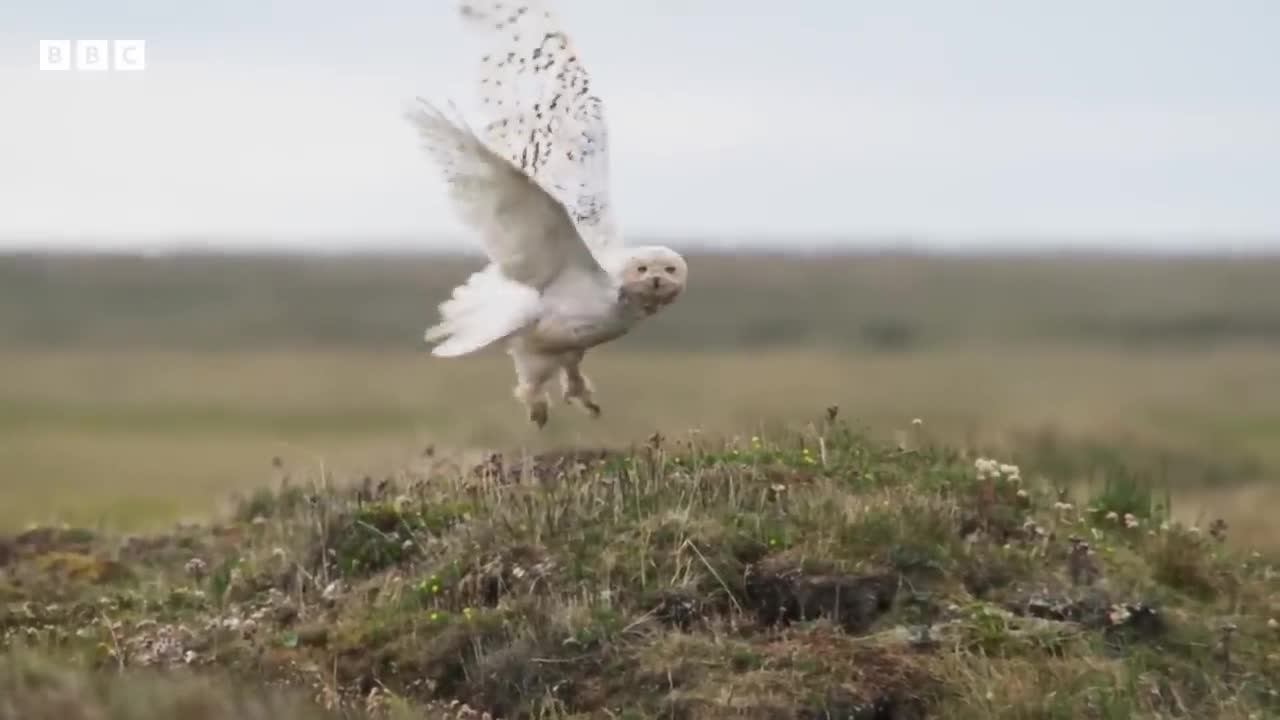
(810,575)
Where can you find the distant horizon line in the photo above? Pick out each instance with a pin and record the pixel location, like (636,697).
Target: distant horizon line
(436,244)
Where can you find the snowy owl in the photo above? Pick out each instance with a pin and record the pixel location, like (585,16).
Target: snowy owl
(535,187)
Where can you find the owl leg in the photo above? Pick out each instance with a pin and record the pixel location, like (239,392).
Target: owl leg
(533,371)
(577,387)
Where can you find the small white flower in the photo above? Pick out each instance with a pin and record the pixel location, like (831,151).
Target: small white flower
(986,467)
(1273,624)
(1113,516)
(1118,615)
(1130,521)
(1194,530)
(1022,495)
(1063,506)
(332,590)
(196,568)
(917,422)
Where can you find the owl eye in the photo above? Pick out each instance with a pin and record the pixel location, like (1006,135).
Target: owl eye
(671,269)
(643,268)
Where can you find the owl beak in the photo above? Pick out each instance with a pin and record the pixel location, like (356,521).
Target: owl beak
(651,294)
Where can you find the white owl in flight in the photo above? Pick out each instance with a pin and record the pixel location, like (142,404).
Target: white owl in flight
(535,188)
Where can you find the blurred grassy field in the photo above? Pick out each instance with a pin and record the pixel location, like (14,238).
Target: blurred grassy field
(134,391)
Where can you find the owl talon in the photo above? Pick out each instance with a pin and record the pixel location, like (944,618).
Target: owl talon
(592,409)
(538,413)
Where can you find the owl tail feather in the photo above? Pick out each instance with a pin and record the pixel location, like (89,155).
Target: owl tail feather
(486,309)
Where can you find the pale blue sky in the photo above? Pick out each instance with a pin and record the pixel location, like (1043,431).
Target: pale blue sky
(938,120)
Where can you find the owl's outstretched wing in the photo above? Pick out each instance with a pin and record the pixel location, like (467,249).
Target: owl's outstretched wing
(526,233)
(543,115)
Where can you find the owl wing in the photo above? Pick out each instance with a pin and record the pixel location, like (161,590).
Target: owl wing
(542,114)
(527,234)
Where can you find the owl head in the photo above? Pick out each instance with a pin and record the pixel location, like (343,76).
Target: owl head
(652,277)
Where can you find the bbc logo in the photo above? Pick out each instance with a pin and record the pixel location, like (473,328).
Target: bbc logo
(119,55)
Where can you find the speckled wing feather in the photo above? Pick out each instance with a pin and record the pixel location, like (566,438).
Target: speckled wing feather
(525,232)
(542,113)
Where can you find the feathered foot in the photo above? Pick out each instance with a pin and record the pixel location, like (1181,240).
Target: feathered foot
(533,371)
(578,389)
(535,401)
(585,402)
